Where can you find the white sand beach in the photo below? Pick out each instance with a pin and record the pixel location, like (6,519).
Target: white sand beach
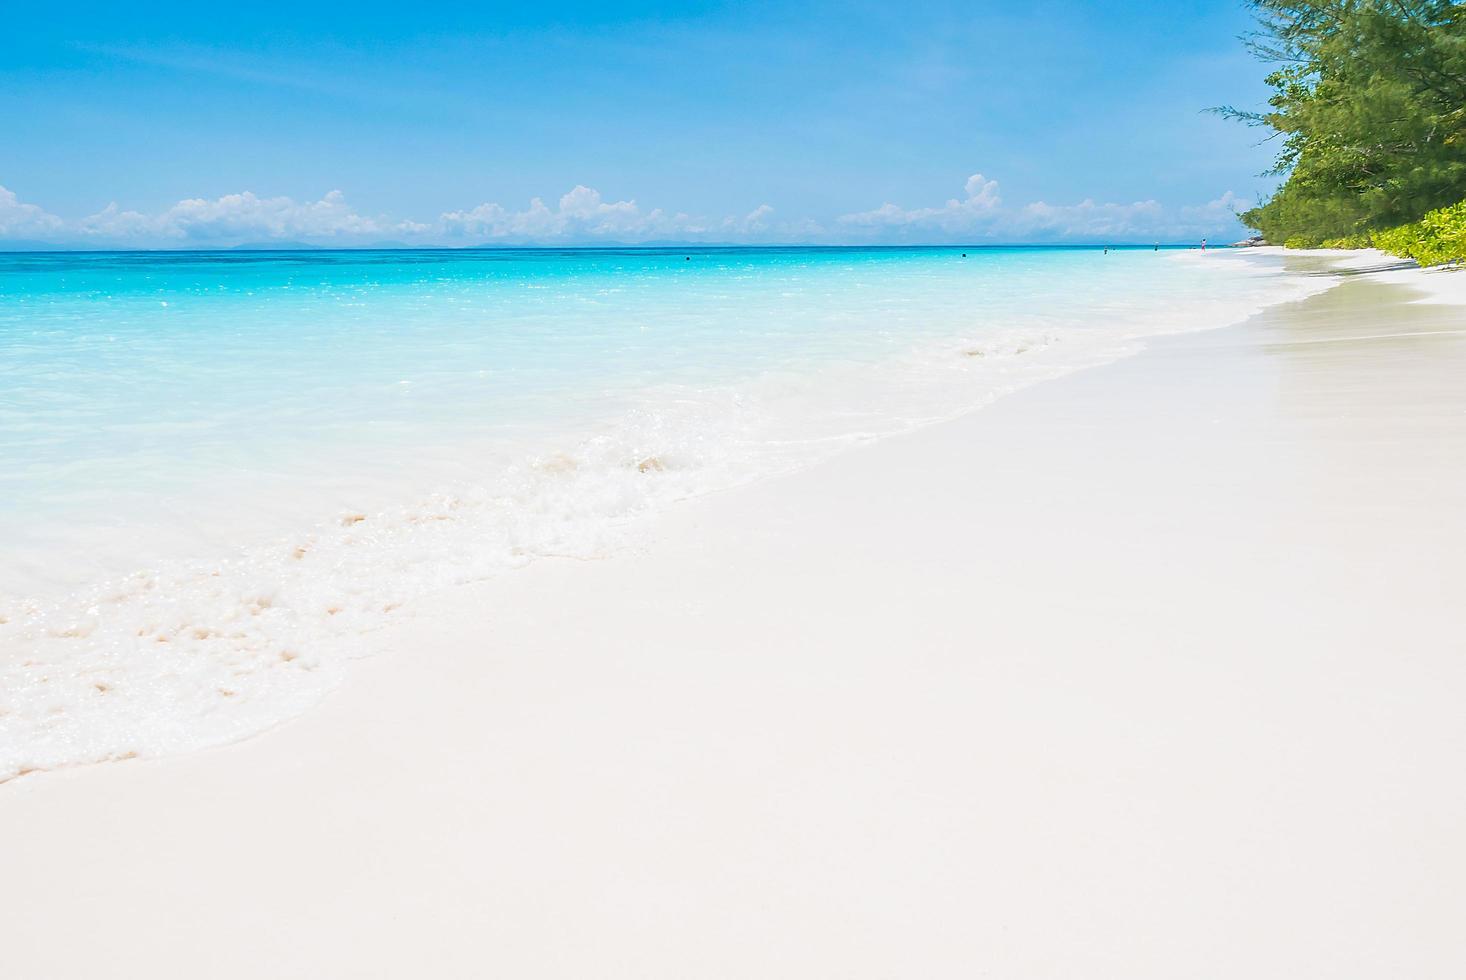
(1152,671)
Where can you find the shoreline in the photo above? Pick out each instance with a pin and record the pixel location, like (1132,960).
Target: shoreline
(1149,669)
(260,614)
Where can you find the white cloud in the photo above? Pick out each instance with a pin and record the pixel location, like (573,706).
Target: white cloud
(580,214)
(1088,219)
(973,211)
(752,224)
(1229,205)
(584,215)
(757,216)
(18,220)
(1138,220)
(240,216)
(486,219)
(982,215)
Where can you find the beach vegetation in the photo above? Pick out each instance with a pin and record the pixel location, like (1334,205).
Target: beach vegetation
(1369,101)
(1436,239)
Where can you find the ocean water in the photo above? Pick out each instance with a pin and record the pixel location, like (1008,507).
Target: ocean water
(218,470)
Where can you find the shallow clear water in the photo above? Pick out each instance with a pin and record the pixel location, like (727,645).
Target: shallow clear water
(217,469)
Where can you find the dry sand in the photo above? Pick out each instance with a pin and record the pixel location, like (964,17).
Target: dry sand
(1153,671)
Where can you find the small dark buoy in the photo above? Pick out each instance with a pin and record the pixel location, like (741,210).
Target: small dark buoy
(686,258)
(964,255)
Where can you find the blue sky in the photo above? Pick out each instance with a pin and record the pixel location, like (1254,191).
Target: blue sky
(187,125)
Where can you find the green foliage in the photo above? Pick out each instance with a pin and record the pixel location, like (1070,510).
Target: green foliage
(1370,99)
(1349,241)
(1437,238)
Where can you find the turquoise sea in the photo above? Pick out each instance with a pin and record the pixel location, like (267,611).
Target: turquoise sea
(218,468)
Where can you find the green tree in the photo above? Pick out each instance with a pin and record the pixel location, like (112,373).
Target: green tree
(1369,97)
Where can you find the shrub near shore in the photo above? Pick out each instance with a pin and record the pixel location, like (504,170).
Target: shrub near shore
(1436,239)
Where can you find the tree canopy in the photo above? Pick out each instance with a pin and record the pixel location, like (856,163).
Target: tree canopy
(1369,97)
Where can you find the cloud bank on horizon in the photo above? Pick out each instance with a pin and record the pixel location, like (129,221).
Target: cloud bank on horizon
(582,216)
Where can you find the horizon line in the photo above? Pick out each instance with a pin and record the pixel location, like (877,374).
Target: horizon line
(644,247)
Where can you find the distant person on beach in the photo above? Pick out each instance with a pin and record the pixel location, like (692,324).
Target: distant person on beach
(1203,244)
(1157,246)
